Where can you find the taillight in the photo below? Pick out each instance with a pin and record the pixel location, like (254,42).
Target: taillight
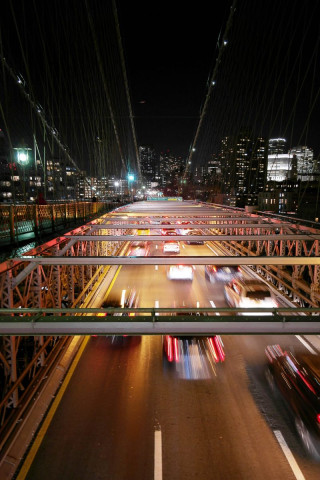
(318,417)
(169,348)
(176,350)
(213,350)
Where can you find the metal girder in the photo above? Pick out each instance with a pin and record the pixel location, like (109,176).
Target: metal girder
(157,325)
(64,250)
(207,237)
(207,218)
(181,260)
(148,226)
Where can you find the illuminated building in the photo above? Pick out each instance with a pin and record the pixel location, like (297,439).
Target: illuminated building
(277,145)
(281,166)
(243,166)
(149,164)
(306,164)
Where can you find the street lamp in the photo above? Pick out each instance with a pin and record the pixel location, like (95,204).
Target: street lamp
(22,156)
(116,184)
(130,179)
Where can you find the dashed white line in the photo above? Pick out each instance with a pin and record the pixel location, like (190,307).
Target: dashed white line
(123,297)
(306,345)
(213,305)
(211,249)
(288,454)
(157,455)
(156,305)
(314,341)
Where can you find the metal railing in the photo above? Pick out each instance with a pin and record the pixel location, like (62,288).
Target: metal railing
(157,321)
(19,222)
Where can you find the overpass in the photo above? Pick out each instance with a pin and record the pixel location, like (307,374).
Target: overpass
(57,289)
(77,269)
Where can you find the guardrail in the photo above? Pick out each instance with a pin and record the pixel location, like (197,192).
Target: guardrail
(19,222)
(158,321)
(272,215)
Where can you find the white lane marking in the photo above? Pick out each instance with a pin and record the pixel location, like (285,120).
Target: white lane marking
(157,455)
(123,296)
(213,305)
(306,345)
(313,340)
(156,305)
(211,249)
(156,267)
(288,454)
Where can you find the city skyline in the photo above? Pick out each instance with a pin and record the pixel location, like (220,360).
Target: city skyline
(265,78)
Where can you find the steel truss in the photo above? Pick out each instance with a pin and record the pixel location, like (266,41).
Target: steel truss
(299,282)
(64,271)
(26,285)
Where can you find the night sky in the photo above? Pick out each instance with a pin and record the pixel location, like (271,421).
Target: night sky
(267,80)
(170,52)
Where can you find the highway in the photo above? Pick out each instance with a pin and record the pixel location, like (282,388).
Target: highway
(127,413)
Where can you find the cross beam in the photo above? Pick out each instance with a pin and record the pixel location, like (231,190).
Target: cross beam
(155,260)
(210,238)
(187,325)
(149,226)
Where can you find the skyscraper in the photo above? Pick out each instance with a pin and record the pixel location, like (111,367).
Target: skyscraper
(5,173)
(277,146)
(149,164)
(306,164)
(243,165)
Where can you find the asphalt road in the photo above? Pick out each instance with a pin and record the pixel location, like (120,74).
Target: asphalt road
(127,415)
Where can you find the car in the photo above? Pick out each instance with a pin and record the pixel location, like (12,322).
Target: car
(182,230)
(249,293)
(297,379)
(180,272)
(196,240)
(223,273)
(168,231)
(128,299)
(171,247)
(173,347)
(139,249)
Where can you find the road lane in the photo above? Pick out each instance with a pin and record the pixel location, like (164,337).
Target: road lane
(215,428)
(104,426)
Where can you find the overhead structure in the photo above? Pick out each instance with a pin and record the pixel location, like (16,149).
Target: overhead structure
(56,289)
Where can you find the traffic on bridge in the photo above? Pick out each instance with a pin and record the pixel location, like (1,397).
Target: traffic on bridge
(179,397)
(159,233)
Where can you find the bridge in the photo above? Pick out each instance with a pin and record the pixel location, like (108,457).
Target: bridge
(43,290)
(60,288)
(118,358)
(78,268)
